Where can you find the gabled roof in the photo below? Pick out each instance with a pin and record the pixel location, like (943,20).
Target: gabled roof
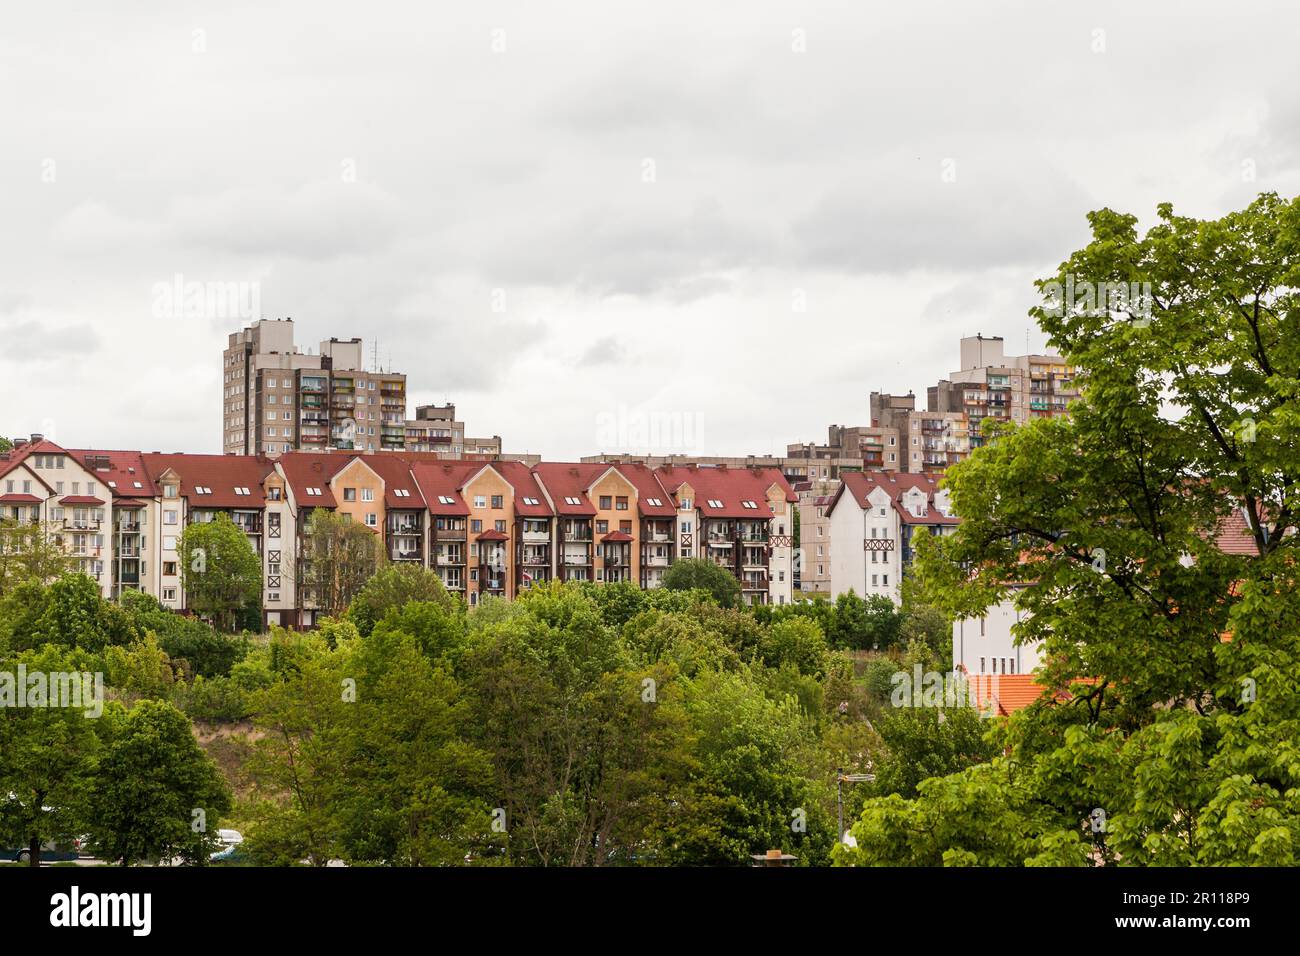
(15,457)
(221,473)
(648,488)
(442,479)
(1234,535)
(564,481)
(525,484)
(729,487)
(123,472)
(396,475)
(303,470)
(860,484)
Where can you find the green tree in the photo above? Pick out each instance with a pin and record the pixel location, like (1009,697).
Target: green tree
(686,574)
(1106,529)
(220,571)
(393,586)
(155,794)
(47,755)
(339,557)
(31,553)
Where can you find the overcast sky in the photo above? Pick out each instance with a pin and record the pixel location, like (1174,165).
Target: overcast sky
(701,227)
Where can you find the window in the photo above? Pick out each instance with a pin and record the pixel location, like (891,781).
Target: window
(498,502)
(349,494)
(475,525)
(606,502)
(169,569)
(873,580)
(445,500)
(480,501)
(273,494)
(169,542)
(169,517)
(602,527)
(620,503)
(654,502)
(169,491)
(570,500)
(169,594)
(748,504)
(401,493)
(715,503)
(884,580)
(371,520)
(501,526)
(530,501)
(313,492)
(367,494)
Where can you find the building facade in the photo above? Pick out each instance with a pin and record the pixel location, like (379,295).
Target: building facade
(489,528)
(875,519)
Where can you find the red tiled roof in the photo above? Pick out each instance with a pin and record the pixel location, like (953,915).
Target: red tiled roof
(80,500)
(222,473)
(1234,535)
(20,499)
(860,484)
(119,470)
(442,479)
(566,480)
(524,482)
(648,486)
(493,535)
(303,470)
(396,474)
(617,537)
(730,486)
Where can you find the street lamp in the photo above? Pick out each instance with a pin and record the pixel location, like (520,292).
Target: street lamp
(842,778)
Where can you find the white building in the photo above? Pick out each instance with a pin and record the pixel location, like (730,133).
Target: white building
(884,511)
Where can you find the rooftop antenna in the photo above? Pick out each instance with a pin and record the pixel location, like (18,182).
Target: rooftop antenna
(374,356)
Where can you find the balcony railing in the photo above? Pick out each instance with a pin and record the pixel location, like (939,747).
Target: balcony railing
(82,524)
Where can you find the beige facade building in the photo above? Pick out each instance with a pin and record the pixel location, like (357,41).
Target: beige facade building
(277,398)
(992,384)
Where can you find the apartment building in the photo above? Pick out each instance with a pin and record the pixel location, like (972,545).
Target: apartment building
(875,519)
(929,441)
(44,483)
(489,528)
(277,398)
(742,520)
(991,384)
(814,558)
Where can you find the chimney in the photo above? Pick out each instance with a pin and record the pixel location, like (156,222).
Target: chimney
(36,436)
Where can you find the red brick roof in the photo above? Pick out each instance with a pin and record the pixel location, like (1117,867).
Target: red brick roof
(524,482)
(648,486)
(443,479)
(222,473)
(119,470)
(303,470)
(1234,535)
(396,474)
(566,480)
(18,499)
(730,486)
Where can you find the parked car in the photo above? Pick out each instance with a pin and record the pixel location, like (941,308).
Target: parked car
(231,847)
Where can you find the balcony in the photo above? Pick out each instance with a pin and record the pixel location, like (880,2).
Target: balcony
(449,560)
(82,524)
